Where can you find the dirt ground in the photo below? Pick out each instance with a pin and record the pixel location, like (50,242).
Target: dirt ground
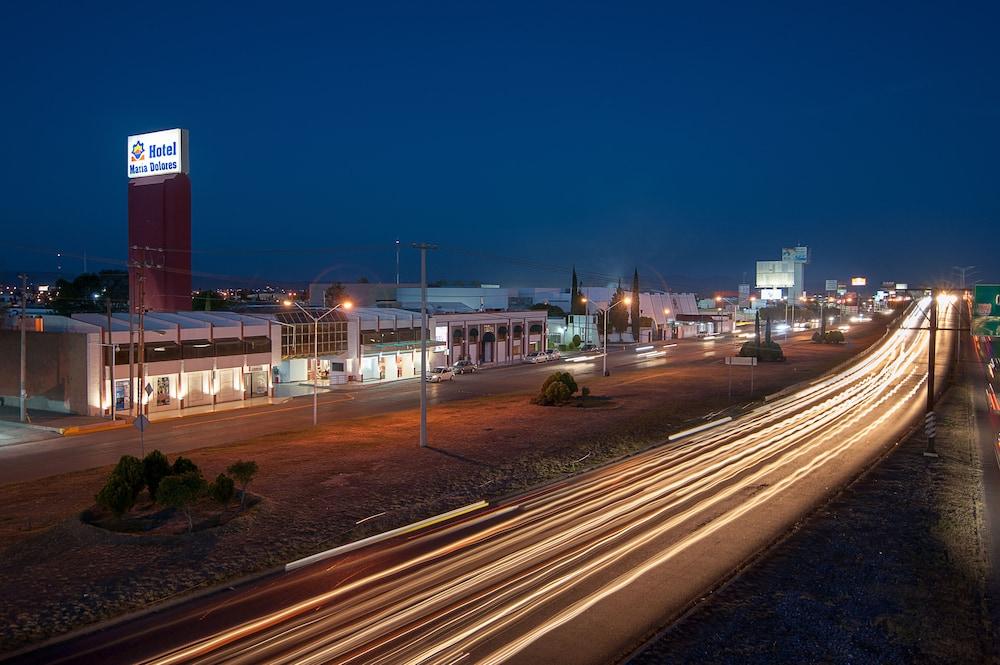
(57,573)
(851,585)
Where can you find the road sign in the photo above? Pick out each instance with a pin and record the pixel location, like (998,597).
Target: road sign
(740,360)
(149,390)
(141,423)
(831,285)
(986,311)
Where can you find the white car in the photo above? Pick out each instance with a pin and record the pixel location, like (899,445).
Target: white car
(536,357)
(439,374)
(553,354)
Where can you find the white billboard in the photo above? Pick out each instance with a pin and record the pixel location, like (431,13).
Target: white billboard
(770,294)
(859,281)
(775,274)
(157,153)
(831,285)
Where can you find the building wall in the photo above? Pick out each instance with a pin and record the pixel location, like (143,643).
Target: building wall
(57,371)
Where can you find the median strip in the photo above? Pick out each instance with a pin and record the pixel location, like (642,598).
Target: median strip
(699,428)
(371,540)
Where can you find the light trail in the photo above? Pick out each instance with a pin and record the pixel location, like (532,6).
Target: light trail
(499,590)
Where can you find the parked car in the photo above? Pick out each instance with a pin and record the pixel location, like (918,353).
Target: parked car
(465,367)
(439,374)
(536,357)
(589,346)
(553,354)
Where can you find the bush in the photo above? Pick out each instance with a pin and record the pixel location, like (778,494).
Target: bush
(155,468)
(585,391)
(558,388)
(222,489)
(817,337)
(834,337)
(183,465)
(765,352)
(180,491)
(576,341)
(116,495)
(129,469)
(243,472)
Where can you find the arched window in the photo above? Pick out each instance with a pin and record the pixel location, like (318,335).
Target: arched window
(502,333)
(518,331)
(473,334)
(457,335)
(535,328)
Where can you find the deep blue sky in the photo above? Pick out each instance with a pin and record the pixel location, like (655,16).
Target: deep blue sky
(689,140)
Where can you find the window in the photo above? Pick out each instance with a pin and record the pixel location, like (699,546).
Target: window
(197,348)
(535,328)
(473,334)
(160,351)
(502,333)
(518,331)
(257,344)
(229,347)
(457,335)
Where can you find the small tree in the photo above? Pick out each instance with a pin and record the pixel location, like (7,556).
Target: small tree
(222,489)
(116,495)
(243,473)
(129,469)
(576,341)
(155,468)
(556,389)
(181,491)
(183,465)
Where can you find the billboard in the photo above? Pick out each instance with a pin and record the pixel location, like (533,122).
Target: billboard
(986,310)
(795,254)
(831,285)
(157,153)
(859,281)
(770,294)
(775,274)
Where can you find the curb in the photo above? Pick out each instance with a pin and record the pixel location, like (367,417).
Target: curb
(74,430)
(377,538)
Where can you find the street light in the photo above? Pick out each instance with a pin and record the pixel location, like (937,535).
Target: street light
(730,301)
(606,311)
(316,320)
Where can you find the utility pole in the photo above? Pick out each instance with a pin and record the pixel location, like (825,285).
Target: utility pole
(397,262)
(24,309)
(962,271)
(930,426)
(423,247)
(143,409)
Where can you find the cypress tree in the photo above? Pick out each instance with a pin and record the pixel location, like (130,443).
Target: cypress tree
(574,295)
(635,305)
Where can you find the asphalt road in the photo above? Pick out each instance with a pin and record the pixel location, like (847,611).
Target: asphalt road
(580,571)
(40,454)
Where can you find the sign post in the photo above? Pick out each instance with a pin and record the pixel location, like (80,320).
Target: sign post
(740,360)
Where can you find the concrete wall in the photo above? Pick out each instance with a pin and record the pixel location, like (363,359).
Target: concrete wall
(57,373)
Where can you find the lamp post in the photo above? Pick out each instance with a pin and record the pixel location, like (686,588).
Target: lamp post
(627,300)
(316,320)
(730,301)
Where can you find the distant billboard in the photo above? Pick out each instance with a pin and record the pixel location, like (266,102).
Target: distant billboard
(986,310)
(901,286)
(770,294)
(795,254)
(859,281)
(775,274)
(744,299)
(831,285)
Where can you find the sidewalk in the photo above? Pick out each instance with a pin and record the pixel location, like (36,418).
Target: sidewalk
(58,423)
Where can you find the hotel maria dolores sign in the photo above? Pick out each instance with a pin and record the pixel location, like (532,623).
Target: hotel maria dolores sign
(157,153)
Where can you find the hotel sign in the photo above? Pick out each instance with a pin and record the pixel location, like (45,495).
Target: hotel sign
(157,153)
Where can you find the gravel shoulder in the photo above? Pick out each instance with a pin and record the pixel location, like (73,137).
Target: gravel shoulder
(893,570)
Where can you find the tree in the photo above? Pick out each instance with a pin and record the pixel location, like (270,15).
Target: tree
(618,314)
(767,332)
(335,295)
(557,388)
(181,491)
(756,329)
(116,495)
(182,465)
(78,295)
(554,310)
(576,304)
(155,468)
(129,469)
(207,301)
(635,305)
(243,473)
(222,489)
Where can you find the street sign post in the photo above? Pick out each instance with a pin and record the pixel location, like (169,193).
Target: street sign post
(141,423)
(750,362)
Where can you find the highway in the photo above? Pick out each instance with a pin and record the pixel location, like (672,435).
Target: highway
(580,571)
(43,454)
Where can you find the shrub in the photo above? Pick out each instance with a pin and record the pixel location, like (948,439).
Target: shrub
(243,472)
(180,491)
(576,341)
(817,337)
(183,465)
(834,337)
(556,389)
(585,391)
(222,489)
(563,347)
(129,469)
(556,393)
(155,468)
(766,352)
(116,495)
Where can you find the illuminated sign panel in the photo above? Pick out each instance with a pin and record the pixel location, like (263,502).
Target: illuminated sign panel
(770,294)
(795,254)
(859,281)
(831,285)
(986,310)
(775,274)
(157,153)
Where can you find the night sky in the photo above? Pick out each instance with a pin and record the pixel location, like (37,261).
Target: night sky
(687,140)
